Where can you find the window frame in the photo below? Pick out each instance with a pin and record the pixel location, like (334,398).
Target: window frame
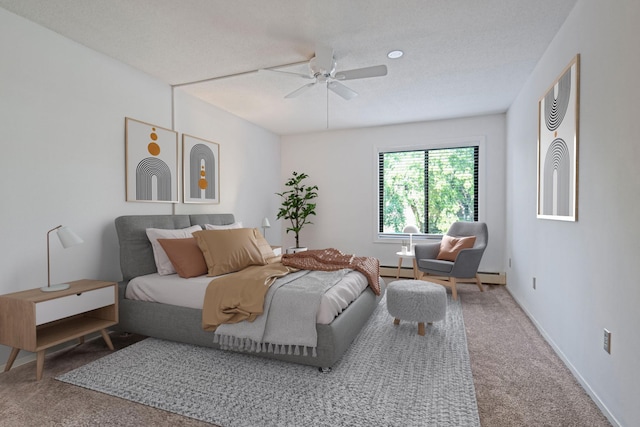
(479,141)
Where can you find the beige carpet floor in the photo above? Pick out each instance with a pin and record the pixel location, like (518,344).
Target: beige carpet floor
(518,378)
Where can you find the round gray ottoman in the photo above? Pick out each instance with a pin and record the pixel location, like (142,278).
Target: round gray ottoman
(416,301)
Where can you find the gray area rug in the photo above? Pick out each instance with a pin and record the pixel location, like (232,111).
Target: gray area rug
(390,376)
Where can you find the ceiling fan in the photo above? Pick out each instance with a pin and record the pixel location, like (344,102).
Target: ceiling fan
(322,69)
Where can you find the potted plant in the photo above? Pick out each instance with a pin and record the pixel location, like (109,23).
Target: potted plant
(297,205)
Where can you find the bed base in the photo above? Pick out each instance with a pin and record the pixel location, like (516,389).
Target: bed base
(184,324)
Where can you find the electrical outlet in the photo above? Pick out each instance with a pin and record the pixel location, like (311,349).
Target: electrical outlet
(534,283)
(607,341)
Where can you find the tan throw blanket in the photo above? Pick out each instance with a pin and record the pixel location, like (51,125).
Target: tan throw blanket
(332,259)
(227,302)
(288,324)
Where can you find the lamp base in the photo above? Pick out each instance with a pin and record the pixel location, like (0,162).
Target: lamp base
(54,288)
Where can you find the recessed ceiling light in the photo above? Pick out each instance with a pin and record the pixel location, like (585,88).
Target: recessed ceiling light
(395,54)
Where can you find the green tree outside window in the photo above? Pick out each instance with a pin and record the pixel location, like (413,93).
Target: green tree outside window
(429,188)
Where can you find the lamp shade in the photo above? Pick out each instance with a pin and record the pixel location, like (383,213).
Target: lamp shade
(68,237)
(266,223)
(411,229)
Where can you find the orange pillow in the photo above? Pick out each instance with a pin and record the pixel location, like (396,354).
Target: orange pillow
(450,246)
(185,255)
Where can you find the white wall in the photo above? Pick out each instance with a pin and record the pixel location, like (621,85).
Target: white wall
(62,156)
(249,163)
(343,165)
(587,272)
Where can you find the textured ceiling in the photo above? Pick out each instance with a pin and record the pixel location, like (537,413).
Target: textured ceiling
(462,57)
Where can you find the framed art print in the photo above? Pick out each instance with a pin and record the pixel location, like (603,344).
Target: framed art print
(201,169)
(151,163)
(558,120)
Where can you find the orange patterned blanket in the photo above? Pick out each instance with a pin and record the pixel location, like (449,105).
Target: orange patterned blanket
(332,259)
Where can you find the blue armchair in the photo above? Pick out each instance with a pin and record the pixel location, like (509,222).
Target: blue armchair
(465,266)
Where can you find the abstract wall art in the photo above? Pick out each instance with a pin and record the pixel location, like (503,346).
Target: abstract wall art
(558,126)
(201,169)
(151,163)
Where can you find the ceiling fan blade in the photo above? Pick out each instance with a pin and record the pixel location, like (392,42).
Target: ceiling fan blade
(342,90)
(362,73)
(300,90)
(304,76)
(324,57)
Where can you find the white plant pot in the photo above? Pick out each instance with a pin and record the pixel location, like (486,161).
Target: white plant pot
(295,250)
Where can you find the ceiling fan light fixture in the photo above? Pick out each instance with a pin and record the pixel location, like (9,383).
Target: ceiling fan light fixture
(395,54)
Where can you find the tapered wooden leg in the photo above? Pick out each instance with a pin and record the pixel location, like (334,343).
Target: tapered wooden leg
(12,358)
(396,321)
(39,364)
(81,340)
(399,267)
(479,283)
(454,291)
(415,269)
(421,328)
(106,338)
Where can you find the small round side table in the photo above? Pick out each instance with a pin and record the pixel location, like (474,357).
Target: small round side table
(407,255)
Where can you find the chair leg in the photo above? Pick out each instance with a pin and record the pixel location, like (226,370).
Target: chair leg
(479,283)
(454,291)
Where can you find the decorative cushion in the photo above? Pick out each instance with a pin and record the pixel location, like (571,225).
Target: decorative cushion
(223,227)
(226,251)
(186,256)
(450,246)
(163,264)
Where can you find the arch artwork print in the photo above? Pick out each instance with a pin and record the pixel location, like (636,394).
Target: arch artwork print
(201,170)
(151,163)
(558,114)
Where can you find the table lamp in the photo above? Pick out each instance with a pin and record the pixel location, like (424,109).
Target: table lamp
(411,229)
(265,224)
(67,238)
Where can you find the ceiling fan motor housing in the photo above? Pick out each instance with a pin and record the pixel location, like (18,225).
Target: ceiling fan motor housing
(320,73)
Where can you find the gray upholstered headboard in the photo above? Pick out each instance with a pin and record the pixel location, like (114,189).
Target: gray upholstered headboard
(136,255)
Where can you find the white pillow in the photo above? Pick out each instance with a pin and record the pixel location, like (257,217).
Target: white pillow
(223,227)
(163,264)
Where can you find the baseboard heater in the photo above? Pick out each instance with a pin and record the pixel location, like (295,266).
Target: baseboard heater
(490,278)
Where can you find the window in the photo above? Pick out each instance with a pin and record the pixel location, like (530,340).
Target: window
(430,188)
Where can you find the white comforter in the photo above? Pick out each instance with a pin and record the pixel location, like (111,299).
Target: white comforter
(175,290)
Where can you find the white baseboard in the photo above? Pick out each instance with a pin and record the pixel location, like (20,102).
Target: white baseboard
(407,273)
(29,357)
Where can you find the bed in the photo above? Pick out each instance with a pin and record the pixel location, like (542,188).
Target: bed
(184,324)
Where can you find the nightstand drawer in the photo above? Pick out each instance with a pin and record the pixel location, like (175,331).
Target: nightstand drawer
(59,308)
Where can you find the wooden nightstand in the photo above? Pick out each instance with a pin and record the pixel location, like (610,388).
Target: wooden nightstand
(35,321)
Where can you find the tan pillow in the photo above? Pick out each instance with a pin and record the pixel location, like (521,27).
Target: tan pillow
(450,246)
(185,255)
(226,251)
(265,248)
